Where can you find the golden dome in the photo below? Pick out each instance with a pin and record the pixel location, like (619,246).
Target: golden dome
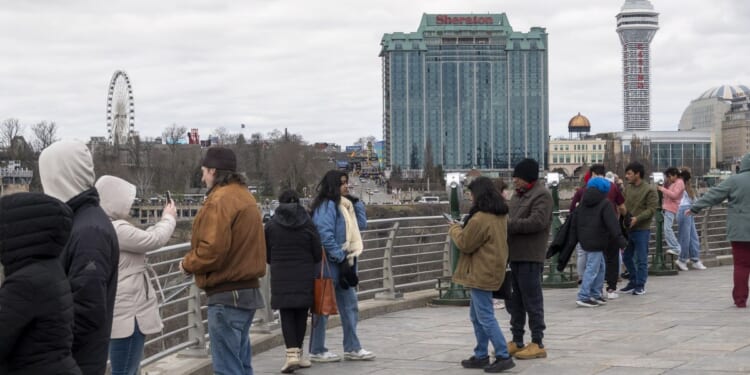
(579,123)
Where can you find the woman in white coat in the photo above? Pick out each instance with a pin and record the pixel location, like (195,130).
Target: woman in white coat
(136,311)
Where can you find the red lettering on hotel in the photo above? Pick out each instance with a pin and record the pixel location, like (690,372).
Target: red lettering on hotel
(474,20)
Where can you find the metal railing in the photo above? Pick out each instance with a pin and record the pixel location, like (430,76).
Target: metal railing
(401,255)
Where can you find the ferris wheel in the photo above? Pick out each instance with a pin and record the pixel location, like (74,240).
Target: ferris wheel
(120,109)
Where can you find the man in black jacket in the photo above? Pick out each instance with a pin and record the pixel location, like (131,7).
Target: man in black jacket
(91,256)
(36,306)
(595,227)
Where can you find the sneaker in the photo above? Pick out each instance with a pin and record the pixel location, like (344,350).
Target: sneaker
(324,357)
(588,303)
(673,252)
(628,288)
(498,304)
(681,265)
(612,294)
(500,365)
(474,362)
(360,355)
(698,265)
(599,300)
(639,291)
(625,275)
(531,351)
(513,348)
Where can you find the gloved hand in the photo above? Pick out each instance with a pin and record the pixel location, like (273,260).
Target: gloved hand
(352,198)
(347,276)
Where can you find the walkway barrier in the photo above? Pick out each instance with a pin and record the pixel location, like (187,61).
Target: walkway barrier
(401,255)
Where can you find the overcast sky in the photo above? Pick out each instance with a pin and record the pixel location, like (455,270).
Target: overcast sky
(313,66)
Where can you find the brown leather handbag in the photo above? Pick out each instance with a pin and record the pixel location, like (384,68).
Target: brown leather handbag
(325,296)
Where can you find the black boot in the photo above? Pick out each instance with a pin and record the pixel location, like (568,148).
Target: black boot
(474,362)
(500,365)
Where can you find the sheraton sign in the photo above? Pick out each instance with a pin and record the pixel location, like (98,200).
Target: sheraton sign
(473,20)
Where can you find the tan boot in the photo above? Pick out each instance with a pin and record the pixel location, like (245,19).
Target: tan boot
(304,362)
(292,361)
(531,351)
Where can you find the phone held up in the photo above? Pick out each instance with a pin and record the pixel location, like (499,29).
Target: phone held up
(169,197)
(450,218)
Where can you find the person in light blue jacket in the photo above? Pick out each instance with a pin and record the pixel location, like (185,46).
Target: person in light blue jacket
(339,217)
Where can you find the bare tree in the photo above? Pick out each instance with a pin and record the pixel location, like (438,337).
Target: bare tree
(10,129)
(224,136)
(173,134)
(45,134)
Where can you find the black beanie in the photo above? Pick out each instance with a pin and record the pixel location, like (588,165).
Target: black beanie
(220,158)
(527,170)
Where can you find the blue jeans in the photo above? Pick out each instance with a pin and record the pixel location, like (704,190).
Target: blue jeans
(346,302)
(688,236)
(229,331)
(486,328)
(580,261)
(669,235)
(593,276)
(638,248)
(125,354)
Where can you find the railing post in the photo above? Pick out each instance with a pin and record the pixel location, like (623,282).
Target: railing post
(658,266)
(447,271)
(267,323)
(554,278)
(389,284)
(196,332)
(704,231)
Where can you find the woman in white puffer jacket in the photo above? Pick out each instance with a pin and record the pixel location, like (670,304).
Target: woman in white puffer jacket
(136,311)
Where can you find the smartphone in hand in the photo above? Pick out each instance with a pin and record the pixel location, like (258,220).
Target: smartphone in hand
(450,218)
(169,197)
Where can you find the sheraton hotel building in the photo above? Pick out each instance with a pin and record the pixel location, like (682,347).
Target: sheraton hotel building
(466,91)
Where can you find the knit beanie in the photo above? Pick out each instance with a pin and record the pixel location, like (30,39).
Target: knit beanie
(220,158)
(599,183)
(527,170)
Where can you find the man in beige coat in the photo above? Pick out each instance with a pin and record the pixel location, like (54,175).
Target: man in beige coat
(136,312)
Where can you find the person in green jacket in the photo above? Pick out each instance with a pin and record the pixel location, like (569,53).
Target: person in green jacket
(641,201)
(736,190)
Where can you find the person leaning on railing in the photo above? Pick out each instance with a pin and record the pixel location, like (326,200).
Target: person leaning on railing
(136,312)
(735,189)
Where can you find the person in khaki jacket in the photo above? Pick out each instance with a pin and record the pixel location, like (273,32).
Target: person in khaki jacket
(483,245)
(227,257)
(136,312)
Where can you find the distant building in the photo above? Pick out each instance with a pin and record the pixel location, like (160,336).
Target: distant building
(466,90)
(327,147)
(735,141)
(637,23)
(694,149)
(707,112)
(579,149)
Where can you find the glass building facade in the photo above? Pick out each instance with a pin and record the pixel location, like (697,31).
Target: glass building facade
(465,91)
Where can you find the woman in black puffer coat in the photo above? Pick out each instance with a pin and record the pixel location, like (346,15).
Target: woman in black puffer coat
(293,248)
(36,305)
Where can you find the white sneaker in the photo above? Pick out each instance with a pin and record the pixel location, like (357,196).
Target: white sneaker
(324,357)
(681,265)
(612,295)
(698,265)
(673,252)
(360,355)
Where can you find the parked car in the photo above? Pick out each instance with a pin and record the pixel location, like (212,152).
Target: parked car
(429,200)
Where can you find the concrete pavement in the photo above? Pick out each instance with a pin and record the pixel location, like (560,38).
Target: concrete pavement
(685,324)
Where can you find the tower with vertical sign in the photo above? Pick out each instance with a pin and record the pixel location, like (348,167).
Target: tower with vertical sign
(637,23)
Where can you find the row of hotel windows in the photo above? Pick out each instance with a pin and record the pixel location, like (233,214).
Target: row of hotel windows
(599,147)
(577,159)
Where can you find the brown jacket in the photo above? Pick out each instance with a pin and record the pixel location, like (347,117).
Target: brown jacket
(228,248)
(483,250)
(529,223)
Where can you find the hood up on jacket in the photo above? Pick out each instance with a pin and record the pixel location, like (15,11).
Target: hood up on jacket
(66,169)
(33,226)
(592,196)
(291,215)
(115,196)
(745,163)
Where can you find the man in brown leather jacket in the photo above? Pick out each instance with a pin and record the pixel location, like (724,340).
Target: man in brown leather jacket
(227,257)
(528,232)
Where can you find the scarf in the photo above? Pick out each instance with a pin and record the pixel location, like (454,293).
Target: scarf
(525,189)
(353,243)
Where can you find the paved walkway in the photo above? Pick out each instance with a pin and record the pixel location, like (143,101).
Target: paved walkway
(685,324)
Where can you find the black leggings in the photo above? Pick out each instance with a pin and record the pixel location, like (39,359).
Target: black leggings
(293,326)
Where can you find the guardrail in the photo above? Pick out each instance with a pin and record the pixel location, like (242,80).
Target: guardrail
(402,254)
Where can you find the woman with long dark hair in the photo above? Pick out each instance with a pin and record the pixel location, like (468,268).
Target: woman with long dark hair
(339,217)
(483,244)
(686,232)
